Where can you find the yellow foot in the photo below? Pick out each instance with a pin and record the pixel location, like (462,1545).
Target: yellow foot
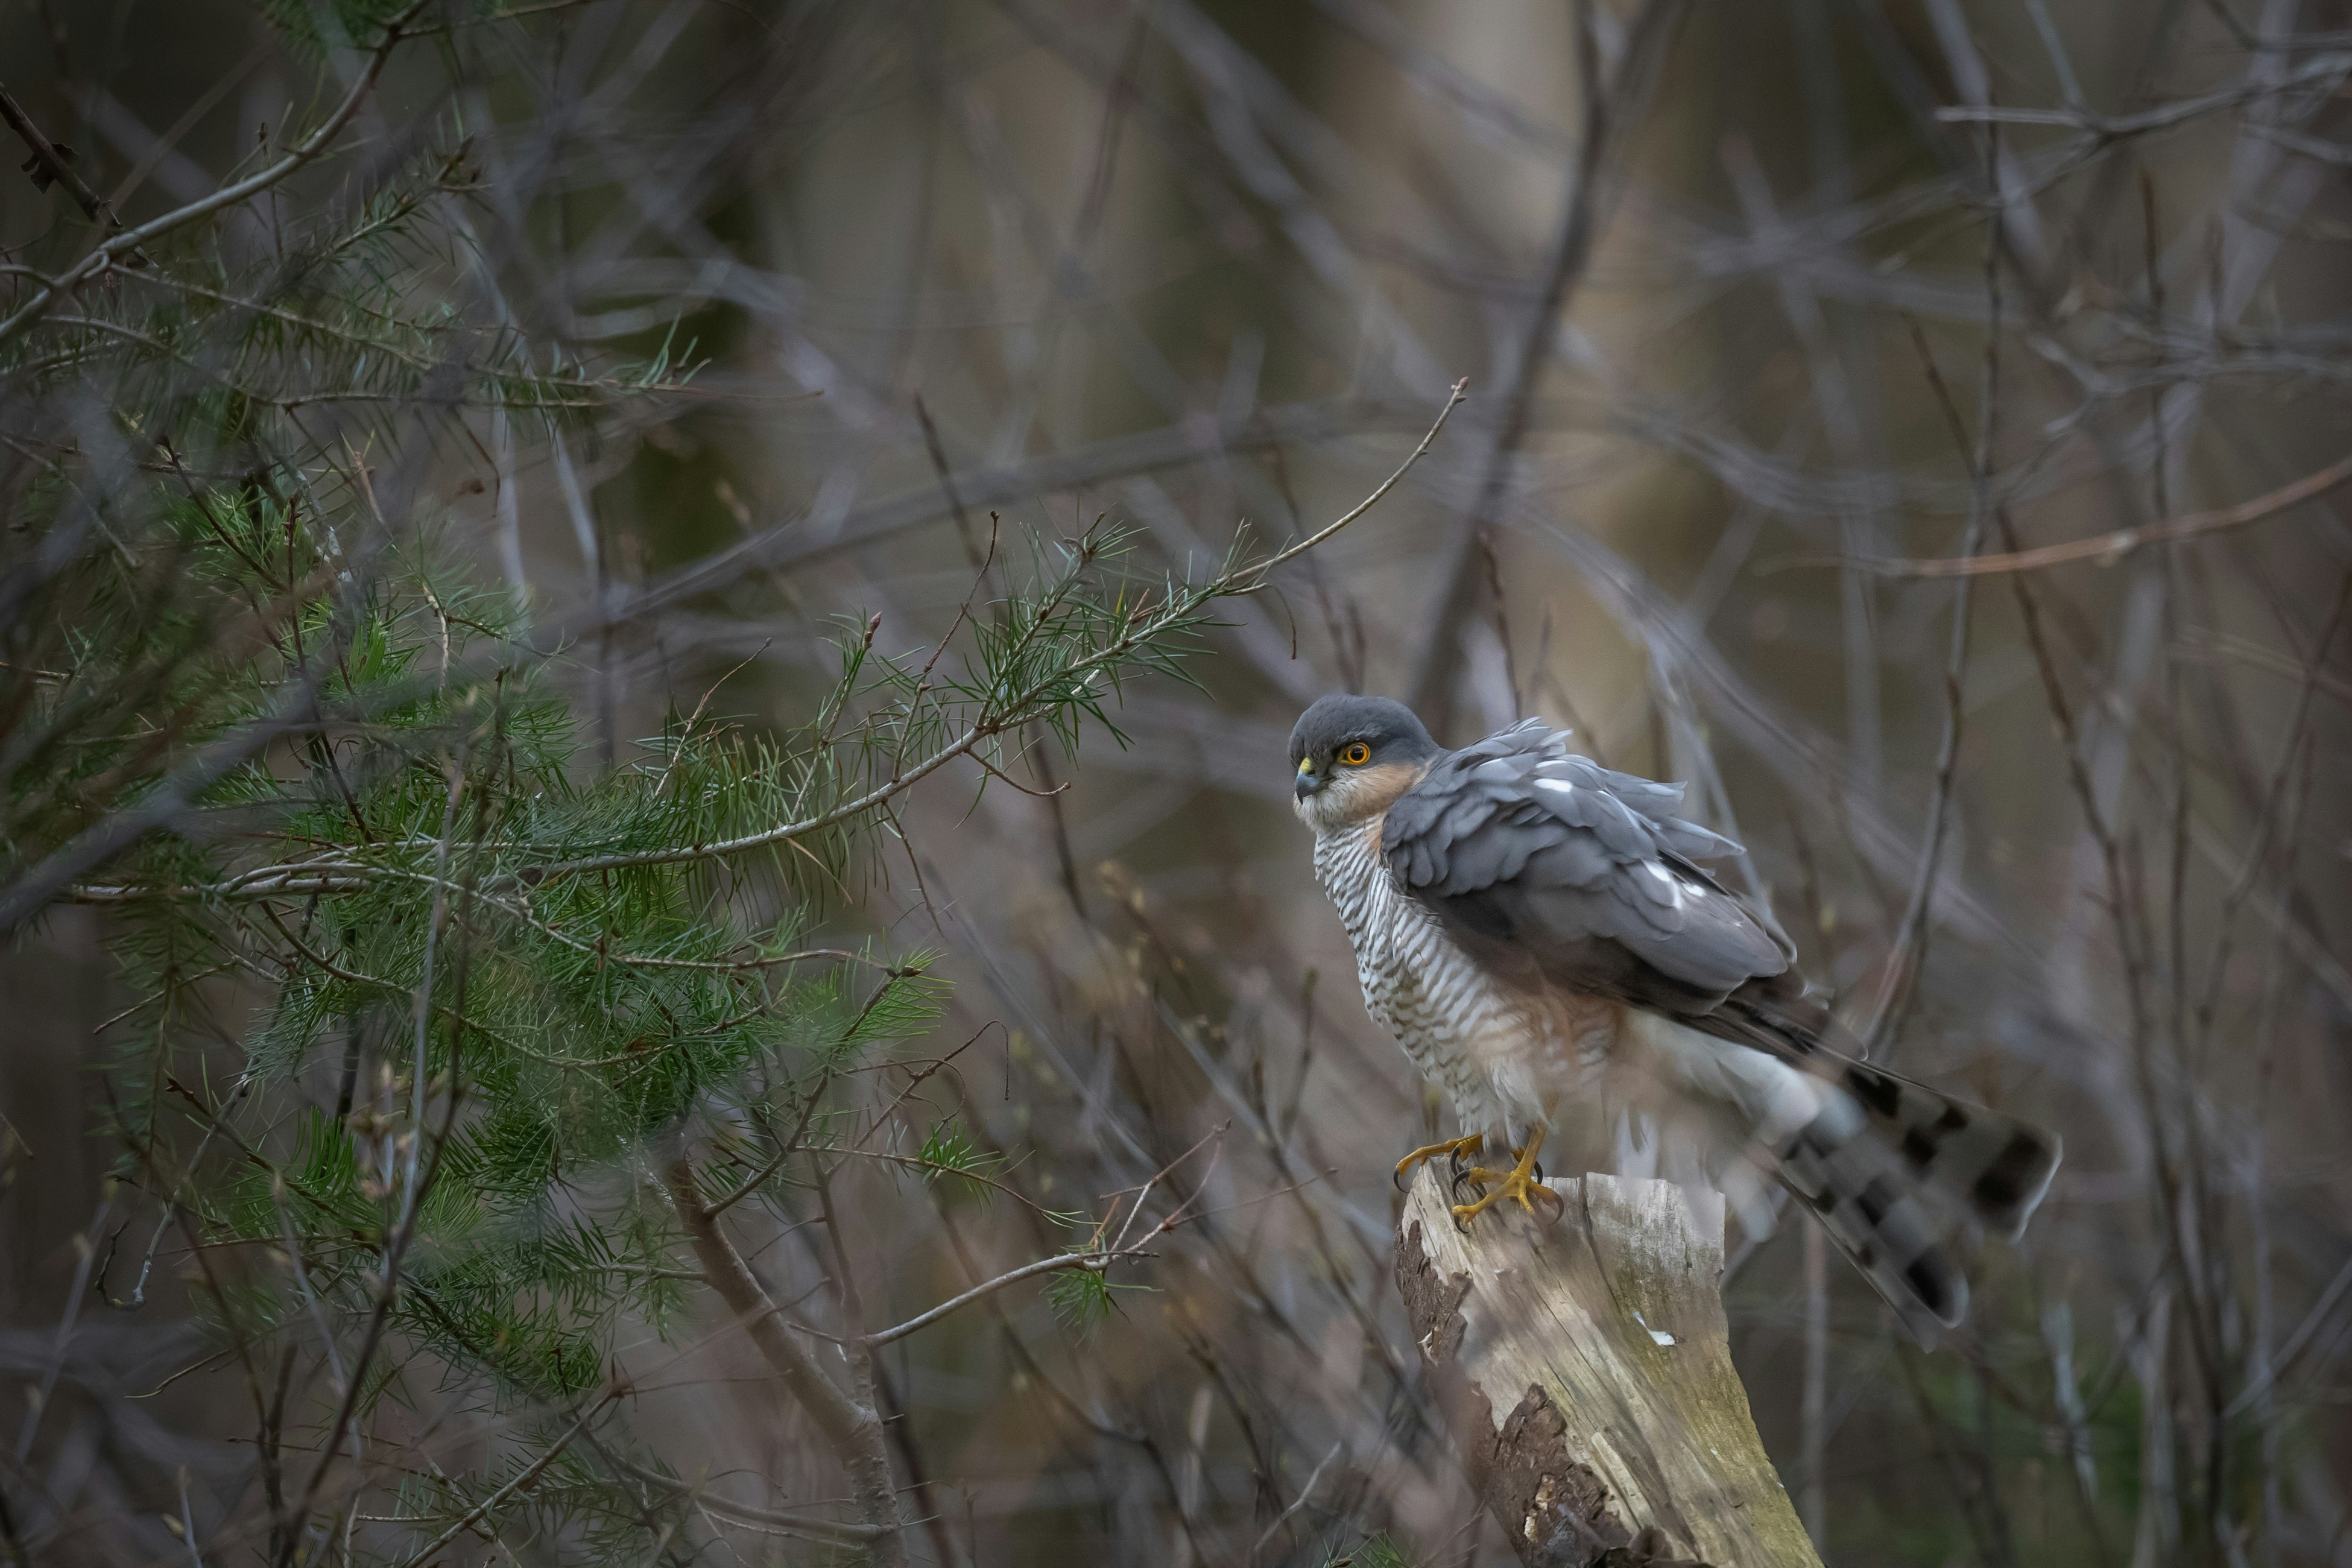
(1452,1149)
(1519,1181)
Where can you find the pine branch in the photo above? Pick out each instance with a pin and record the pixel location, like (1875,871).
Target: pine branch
(522,1480)
(1024,706)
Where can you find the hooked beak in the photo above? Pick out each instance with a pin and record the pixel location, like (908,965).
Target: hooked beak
(1307,783)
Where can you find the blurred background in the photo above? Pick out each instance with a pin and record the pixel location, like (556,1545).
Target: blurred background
(1766,310)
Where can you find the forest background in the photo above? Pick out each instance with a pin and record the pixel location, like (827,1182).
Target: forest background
(645,685)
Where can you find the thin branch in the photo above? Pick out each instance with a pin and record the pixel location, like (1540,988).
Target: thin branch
(1019,709)
(2115,127)
(128,241)
(1909,954)
(1092,1262)
(2107,549)
(785,1150)
(1257,574)
(48,164)
(521,1481)
(2296,1342)
(851,1429)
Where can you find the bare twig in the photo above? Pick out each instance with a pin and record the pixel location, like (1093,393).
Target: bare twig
(853,1430)
(2110,548)
(1091,1262)
(49,166)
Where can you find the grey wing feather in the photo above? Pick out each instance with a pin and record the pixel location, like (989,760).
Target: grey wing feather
(1548,863)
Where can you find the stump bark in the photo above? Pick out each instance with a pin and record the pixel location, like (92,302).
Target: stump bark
(1586,1371)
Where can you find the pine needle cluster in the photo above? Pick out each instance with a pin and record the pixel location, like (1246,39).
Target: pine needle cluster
(425,1008)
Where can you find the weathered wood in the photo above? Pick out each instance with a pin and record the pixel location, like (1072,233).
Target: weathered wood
(1587,1370)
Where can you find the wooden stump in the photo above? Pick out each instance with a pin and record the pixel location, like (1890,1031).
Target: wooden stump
(1586,1370)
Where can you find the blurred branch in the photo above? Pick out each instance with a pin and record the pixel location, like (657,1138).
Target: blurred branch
(2305,1332)
(2335,153)
(128,241)
(853,1430)
(2115,127)
(1612,106)
(1908,955)
(49,166)
(2106,549)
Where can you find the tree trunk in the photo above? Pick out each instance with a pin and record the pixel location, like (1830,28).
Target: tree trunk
(1586,1371)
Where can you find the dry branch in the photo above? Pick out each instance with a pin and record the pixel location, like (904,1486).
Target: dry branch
(850,1426)
(1586,1371)
(48,164)
(2106,549)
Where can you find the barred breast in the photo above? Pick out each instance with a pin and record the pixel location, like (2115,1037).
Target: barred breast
(1499,1065)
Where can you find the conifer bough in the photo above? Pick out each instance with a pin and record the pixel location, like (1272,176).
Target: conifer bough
(509,1028)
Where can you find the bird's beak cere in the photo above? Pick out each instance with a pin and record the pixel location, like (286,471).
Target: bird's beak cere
(1307,783)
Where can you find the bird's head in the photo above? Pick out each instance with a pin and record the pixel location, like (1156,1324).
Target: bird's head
(1350,757)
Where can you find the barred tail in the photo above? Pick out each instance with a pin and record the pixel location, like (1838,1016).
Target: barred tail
(1998,1165)
(1890,1168)
(1889,1171)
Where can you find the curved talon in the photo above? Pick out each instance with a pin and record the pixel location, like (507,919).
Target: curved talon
(1453,1149)
(1522,1181)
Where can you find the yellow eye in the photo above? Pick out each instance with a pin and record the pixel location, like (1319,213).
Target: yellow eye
(1355,754)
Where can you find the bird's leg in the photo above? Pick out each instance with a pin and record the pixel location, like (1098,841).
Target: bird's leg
(1519,1181)
(1453,1149)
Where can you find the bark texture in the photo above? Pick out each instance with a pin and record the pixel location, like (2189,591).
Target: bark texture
(1586,1371)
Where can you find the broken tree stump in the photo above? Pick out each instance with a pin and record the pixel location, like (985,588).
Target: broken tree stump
(1586,1371)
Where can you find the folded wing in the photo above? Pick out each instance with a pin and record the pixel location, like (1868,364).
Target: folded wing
(1553,869)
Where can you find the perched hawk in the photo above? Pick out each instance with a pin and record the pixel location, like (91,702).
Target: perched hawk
(1536,932)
